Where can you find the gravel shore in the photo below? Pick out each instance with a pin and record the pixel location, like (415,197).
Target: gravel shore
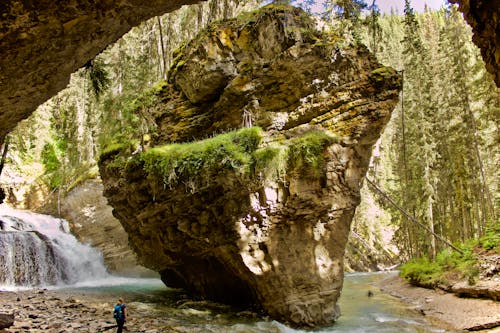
(62,311)
(445,309)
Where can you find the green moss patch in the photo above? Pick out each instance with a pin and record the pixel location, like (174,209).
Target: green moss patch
(199,161)
(196,164)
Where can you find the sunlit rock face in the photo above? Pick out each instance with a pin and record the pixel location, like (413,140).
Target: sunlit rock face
(245,231)
(484,18)
(43,42)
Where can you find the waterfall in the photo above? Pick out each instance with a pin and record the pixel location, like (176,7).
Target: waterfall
(37,251)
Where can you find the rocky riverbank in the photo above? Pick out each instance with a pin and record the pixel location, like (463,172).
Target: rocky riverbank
(446,309)
(163,310)
(57,311)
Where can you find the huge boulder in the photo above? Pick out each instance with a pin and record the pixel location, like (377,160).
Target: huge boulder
(260,214)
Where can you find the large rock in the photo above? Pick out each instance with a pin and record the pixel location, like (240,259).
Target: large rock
(255,216)
(43,42)
(484,18)
(6,320)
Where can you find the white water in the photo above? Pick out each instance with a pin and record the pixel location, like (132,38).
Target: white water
(38,251)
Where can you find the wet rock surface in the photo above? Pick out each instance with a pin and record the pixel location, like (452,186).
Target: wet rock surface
(52,311)
(241,236)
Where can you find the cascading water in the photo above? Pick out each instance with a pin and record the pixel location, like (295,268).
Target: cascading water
(37,250)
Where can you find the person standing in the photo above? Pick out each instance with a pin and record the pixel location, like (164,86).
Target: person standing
(120,314)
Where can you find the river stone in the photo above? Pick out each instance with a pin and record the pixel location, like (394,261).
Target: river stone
(6,320)
(245,238)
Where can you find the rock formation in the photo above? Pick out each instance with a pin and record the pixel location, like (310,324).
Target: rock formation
(255,216)
(484,18)
(43,42)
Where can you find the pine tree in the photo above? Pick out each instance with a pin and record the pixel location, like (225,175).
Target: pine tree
(345,18)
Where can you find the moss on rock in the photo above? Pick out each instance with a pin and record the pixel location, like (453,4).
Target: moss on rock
(196,162)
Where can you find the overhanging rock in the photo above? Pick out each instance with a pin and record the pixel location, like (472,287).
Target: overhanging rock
(43,42)
(261,214)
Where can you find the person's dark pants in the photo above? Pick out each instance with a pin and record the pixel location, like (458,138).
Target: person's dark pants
(120,323)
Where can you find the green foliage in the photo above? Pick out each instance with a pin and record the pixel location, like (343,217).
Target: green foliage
(51,161)
(306,153)
(116,155)
(111,150)
(127,115)
(491,238)
(447,266)
(98,76)
(270,162)
(421,271)
(439,150)
(196,163)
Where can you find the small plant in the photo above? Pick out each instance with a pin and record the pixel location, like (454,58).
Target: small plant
(270,162)
(421,271)
(491,238)
(306,153)
(447,266)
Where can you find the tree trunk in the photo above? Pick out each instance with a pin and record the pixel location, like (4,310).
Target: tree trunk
(162,48)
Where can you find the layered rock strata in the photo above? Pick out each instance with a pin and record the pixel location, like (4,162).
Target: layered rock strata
(260,215)
(43,42)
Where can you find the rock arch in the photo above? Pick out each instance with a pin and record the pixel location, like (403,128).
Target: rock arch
(43,42)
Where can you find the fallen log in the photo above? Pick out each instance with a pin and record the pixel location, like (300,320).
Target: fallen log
(486,326)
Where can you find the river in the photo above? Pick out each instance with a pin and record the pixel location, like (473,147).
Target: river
(37,251)
(360,313)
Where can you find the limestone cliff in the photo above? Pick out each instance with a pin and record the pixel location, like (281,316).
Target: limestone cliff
(262,214)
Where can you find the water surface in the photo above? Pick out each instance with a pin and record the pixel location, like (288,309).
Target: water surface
(379,313)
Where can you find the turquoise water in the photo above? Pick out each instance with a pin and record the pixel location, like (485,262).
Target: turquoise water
(360,313)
